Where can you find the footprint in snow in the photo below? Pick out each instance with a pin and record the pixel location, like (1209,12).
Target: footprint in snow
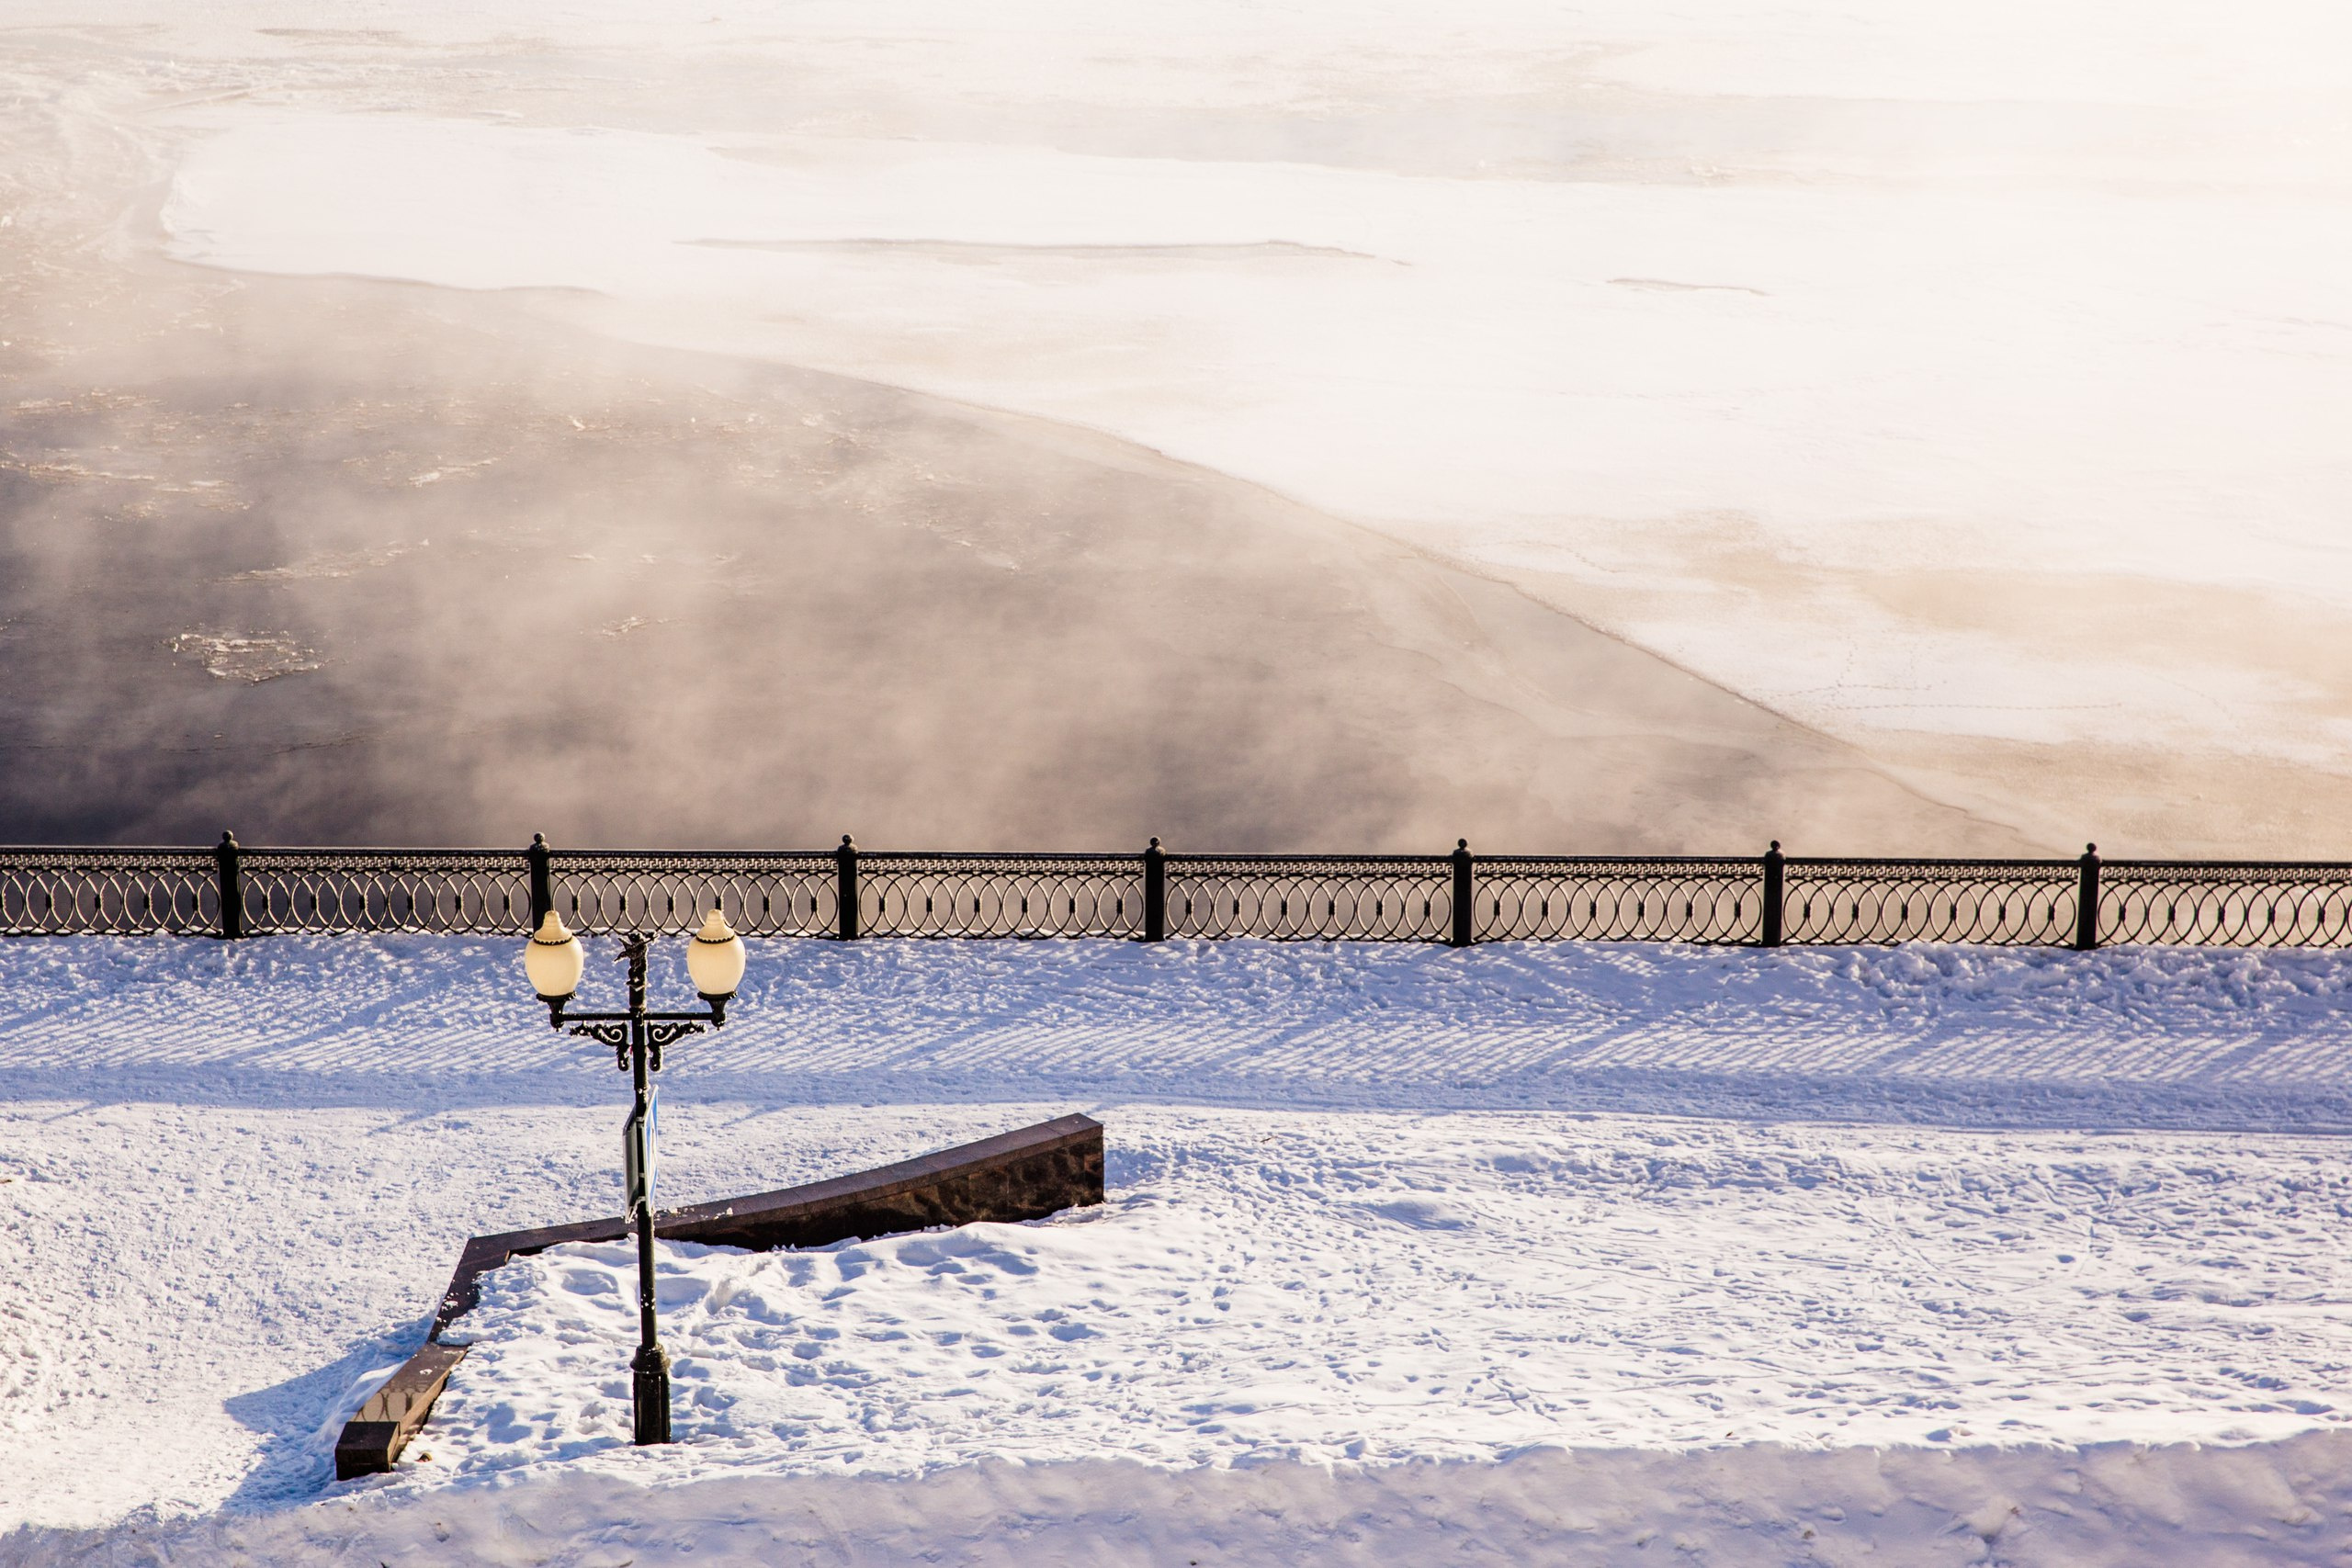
(1422,1214)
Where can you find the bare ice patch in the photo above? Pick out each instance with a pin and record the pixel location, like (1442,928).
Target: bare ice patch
(1669,286)
(250,656)
(958,250)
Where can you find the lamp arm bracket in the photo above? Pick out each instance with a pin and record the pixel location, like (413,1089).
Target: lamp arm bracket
(614,1030)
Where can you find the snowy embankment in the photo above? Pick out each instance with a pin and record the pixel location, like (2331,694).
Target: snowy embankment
(1572,1254)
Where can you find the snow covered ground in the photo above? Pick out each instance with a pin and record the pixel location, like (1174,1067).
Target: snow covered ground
(1567,1254)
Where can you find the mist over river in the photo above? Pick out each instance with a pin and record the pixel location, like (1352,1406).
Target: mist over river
(1579,428)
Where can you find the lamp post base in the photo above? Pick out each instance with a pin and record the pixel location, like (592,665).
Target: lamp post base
(649,1394)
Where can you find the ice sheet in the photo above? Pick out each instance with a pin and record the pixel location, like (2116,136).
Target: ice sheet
(1788,343)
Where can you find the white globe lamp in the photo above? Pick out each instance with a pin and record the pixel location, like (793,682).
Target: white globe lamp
(554,960)
(715,959)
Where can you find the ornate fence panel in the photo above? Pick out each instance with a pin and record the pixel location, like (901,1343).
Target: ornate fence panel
(985,895)
(786,894)
(1589,899)
(849,893)
(2226,903)
(2006,903)
(46,892)
(1311,897)
(376,890)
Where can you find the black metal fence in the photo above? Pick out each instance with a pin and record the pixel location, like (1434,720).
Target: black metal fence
(1459,898)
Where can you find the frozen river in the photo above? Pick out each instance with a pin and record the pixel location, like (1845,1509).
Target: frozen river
(1966,385)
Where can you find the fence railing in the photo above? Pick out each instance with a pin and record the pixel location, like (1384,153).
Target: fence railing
(1459,898)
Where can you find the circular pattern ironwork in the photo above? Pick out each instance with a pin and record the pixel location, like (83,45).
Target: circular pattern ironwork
(1316,898)
(1000,895)
(1532,898)
(379,890)
(2221,904)
(1282,897)
(604,891)
(1992,903)
(48,891)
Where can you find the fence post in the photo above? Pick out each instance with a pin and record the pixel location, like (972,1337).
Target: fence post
(232,887)
(542,881)
(845,893)
(1465,910)
(2086,901)
(1775,894)
(1155,893)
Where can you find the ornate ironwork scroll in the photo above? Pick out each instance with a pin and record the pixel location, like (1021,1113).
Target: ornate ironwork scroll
(92,892)
(2226,904)
(983,894)
(2003,903)
(1579,898)
(77,891)
(784,893)
(1311,897)
(376,890)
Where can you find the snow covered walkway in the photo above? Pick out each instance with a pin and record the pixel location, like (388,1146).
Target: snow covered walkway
(1555,1253)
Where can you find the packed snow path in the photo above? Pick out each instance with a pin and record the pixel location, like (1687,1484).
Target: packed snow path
(1368,1204)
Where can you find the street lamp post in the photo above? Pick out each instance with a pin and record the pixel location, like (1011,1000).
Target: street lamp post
(555,961)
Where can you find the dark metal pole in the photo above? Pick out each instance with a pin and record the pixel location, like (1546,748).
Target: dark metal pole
(845,892)
(1155,894)
(1775,895)
(2086,901)
(650,1382)
(1464,910)
(542,880)
(232,886)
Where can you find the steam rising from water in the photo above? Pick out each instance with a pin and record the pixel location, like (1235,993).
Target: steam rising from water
(337,559)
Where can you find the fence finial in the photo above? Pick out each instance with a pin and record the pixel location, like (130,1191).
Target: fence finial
(542,880)
(1465,912)
(1155,891)
(846,889)
(231,886)
(2086,901)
